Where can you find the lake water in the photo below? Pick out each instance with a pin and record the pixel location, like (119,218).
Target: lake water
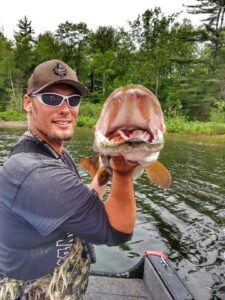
(187,221)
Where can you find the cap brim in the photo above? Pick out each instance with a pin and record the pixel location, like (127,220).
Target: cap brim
(78,86)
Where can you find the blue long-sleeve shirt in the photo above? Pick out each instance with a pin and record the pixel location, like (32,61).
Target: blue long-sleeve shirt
(43,206)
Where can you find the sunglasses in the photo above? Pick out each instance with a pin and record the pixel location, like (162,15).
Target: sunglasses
(55,100)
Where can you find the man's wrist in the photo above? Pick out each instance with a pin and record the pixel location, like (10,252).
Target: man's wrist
(122,173)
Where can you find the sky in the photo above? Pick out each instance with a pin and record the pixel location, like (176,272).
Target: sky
(46,15)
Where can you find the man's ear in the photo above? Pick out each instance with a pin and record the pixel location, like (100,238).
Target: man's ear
(27,103)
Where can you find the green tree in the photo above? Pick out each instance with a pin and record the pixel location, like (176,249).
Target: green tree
(124,59)
(103,67)
(46,48)
(23,46)
(72,39)
(104,38)
(6,63)
(184,82)
(151,34)
(212,35)
(23,57)
(214,25)
(213,9)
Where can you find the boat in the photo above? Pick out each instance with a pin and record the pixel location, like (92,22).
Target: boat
(152,278)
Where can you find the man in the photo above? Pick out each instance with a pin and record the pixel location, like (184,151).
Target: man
(48,216)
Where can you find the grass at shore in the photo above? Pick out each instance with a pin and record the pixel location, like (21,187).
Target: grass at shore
(89,115)
(182,126)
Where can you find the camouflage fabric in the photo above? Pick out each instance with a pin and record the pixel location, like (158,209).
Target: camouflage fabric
(66,282)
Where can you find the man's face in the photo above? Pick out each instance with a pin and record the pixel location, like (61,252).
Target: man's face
(53,124)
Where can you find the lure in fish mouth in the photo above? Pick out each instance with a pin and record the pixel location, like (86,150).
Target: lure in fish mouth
(131,124)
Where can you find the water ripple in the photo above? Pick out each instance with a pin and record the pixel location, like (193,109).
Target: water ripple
(186,221)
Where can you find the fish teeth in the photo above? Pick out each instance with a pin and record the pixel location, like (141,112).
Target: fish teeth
(123,135)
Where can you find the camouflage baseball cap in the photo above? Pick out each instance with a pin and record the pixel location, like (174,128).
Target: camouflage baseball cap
(53,72)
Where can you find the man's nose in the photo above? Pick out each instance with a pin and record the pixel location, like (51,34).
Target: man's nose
(65,106)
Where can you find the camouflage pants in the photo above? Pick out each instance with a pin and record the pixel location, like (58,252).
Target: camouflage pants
(66,282)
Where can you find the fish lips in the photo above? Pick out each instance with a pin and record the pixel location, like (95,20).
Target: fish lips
(132,149)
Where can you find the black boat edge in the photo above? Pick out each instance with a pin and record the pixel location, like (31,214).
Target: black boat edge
(153,271)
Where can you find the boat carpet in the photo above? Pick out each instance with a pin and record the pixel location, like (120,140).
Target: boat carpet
(106,288)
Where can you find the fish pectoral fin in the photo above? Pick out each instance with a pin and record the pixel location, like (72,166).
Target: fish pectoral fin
(103,175)
(159,174)
(94,166)
(90,164)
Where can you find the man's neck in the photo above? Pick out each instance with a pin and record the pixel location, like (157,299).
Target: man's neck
(56,146)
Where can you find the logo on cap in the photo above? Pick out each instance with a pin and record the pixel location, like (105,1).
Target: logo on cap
(59,70)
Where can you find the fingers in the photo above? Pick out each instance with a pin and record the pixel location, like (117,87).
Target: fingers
(131,163)
(119,164)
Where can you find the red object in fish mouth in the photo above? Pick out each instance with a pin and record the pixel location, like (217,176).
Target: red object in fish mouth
(122,135)
(116,134)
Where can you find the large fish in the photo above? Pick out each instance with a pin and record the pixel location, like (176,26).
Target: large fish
(130,124)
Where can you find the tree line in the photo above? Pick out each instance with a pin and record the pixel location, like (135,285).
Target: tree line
(184,65)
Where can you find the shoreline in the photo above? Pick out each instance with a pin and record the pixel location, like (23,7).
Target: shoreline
(13,124)
(23,124)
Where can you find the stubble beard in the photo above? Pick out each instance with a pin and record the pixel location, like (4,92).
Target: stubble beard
(56,138)
(53,137)
(50,136)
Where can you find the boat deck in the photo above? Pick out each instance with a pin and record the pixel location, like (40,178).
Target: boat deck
(149,287)
(105,288)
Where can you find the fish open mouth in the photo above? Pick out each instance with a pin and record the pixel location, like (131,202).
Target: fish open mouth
(133,143)
(129,139)
(131,121)
(130,135)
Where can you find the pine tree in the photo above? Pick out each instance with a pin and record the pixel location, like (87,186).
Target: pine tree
(214,9)
(214,34)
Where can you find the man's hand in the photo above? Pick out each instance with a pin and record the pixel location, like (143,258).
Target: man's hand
(122,166)
(120,205)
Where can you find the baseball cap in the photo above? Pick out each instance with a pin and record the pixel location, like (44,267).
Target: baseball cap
(52,72)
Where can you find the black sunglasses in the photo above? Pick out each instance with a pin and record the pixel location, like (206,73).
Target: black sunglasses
(55,100)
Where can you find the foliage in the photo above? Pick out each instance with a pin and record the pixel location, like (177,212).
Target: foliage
(173,109)
(175,123)
(10,115)
(181,126)
(72,39)
(6,57)
(90,110)
(15,104)
(213,9)
(46,48)
(217,113)
(85,121)
(182,64)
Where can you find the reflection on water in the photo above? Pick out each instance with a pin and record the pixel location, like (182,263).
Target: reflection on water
(187,221)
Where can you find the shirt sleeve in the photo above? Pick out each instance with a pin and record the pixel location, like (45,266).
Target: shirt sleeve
(52,196)
(92,225)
